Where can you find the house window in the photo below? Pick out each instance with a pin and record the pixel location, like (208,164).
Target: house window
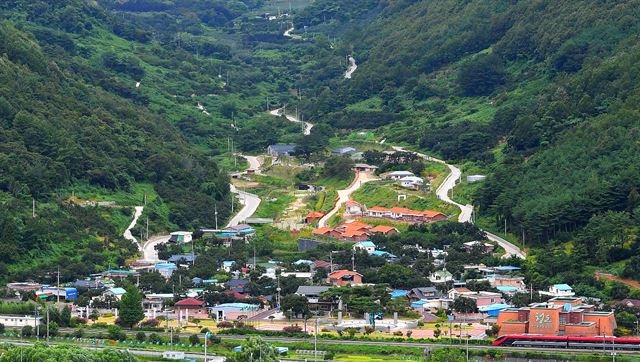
(563,319)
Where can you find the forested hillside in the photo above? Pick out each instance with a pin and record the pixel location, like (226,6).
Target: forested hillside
(543,95)
(105,105)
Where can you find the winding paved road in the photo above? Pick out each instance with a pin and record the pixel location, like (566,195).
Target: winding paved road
(250,203)
(287,33)
(307,126)
(127,233)
(466,211)
(351,68)
(344,195)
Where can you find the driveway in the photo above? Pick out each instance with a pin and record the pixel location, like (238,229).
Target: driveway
(344,195)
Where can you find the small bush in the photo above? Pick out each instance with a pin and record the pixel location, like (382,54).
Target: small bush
(150,323)
(154,338)
(141,336)
(194,339)
(292,329)
(78,333)
(224,324)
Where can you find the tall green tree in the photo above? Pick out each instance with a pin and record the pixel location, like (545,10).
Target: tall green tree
(131,311)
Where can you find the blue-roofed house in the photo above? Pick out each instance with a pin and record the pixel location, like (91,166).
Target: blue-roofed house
(398,293)
(165,269)
(115,292)
(281,150)
(366,245)
(227,265)
(504,268)
(559,290)
(493,309)
(384,254)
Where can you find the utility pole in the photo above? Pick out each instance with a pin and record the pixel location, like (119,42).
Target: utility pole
(47,324)
(505,226)
(58,291)
(353,260)
(147,227)
(315,342)
(216,214)
(33,207)
(254,258)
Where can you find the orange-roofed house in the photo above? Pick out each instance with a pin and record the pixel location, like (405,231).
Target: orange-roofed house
(341,278)
(432,215)
(384,230)
(324,231)
(313,217)
(355,235)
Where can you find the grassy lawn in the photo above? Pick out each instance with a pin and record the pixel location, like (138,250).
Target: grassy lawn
(385,193)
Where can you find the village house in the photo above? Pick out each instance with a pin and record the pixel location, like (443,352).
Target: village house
(182,258)
(474,245)
(559,290)
(367,246)
(115,293)
(497,280)
(281,150)
(440,276)
(315,301)
(405,215)
(384,230)
(363,167)
(482,298)
(343,151)
(397,175)
(313,217)
(424,293)
(353,208)
(412,182)
(190,308)
(237,285)
(341,278)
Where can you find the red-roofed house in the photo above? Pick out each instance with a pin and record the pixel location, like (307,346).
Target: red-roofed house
(432,215)
(190,308)
(384,230)
(313,217)
(344,277)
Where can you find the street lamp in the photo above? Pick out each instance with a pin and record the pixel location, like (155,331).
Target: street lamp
(206,342)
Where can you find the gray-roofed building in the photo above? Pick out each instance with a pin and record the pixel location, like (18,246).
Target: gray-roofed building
(281,150)
(88,284)
(341,151)
(186,258)
(312,293)
(424,293)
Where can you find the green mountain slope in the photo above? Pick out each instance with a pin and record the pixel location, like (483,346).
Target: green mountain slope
(72,119)
(543,95)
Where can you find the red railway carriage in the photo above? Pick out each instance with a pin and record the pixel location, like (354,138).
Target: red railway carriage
(596,342)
